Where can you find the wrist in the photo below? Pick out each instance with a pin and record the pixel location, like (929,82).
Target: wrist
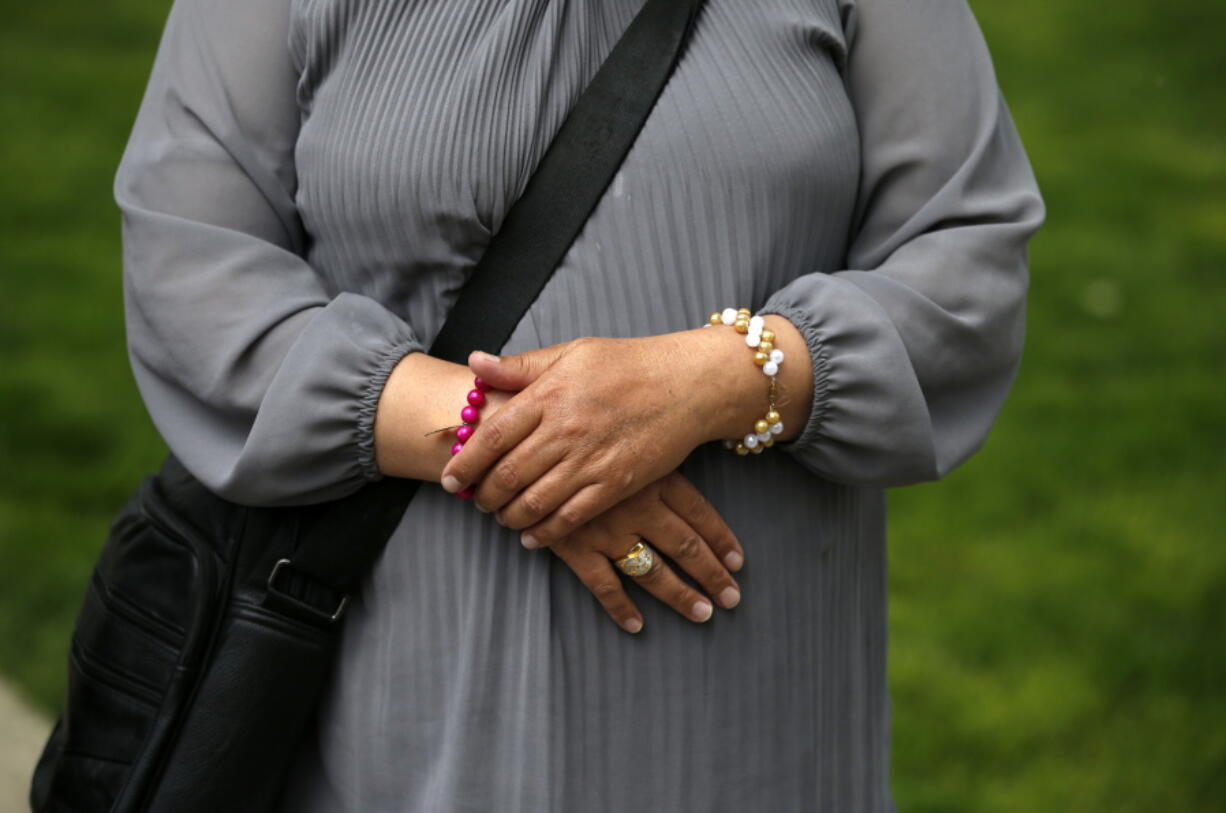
(721,366)
(733,388)
(423,393)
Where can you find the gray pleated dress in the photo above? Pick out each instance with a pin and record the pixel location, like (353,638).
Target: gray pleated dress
(308,184)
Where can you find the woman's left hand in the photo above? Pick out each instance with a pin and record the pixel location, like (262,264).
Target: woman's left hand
(597,419)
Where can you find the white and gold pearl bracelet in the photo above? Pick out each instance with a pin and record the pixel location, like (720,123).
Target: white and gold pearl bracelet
(761,340)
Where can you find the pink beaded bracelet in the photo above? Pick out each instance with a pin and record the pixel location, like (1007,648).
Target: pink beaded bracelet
(470,414)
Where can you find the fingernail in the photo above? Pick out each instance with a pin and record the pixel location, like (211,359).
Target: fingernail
(734,561)
(632,625)
(529,541)
(730,597)
(479,508)
(451,484)
(702,610)
(481,354)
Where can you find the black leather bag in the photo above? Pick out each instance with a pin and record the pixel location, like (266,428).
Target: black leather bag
(208,629)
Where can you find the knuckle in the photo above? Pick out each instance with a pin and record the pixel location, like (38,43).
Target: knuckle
(495,437)
(533,504)
(696,504)
(688,547)
(505,475)
(606,591)
(569,517)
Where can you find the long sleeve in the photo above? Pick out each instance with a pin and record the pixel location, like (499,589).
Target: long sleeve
(260,380)
(915,344)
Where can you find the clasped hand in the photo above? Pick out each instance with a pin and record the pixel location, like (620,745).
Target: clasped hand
(584,457)
(594,421)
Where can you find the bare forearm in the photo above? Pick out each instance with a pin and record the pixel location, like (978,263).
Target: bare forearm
(421,394)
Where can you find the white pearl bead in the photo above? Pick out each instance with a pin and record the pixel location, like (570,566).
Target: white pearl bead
(751,440)
(777,428)
(752,339)
(756,323)
(728,317)
(770,368)
(763,437)
(777,356)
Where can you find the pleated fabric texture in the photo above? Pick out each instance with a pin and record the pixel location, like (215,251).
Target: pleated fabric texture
(848,165)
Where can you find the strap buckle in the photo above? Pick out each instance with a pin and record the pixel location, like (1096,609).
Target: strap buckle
(286,566)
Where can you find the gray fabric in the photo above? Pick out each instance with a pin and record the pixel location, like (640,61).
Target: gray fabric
(306,187)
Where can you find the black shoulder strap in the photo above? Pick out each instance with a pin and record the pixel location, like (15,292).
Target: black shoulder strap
(345,537)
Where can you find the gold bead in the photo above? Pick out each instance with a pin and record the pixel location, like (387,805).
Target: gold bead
(716,318)
(741,327)
(768,335)
(760,358)
(769,442)
(761,426)
(742,449)
(773,417)
(765,346)
(744,311)
(758,449)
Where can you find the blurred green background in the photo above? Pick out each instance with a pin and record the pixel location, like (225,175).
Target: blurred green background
(1058,615)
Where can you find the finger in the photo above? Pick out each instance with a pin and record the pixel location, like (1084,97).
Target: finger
(518,469)
(567,508)
(665,585)
(541,499)
(679,494)
(517,419)
(514,372)
(598,575)
(675,538)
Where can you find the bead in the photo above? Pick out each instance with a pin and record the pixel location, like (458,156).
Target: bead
(761,425)
(766,347)
(463,433)
(481,384)
(455,449)
(770,367)
(743,312)
(752,339)
(763,436)
(776,355)
(476,398)
(742,449)
(773,416)
(728,316)
(757,322)
(768,335)
(761,358)
(769,442)
(729,444)
(469,414)
(716,318)
(777,428)
(750,441)
(741,327)
(465,493)
(757,449)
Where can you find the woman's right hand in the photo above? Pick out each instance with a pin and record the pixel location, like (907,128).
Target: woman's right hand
(674,518)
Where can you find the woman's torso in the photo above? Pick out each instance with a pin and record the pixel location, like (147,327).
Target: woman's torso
(477,675)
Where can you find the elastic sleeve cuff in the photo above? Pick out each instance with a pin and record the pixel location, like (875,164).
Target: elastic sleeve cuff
(819,359)
(369,402)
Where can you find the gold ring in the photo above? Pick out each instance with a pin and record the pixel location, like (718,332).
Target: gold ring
(638,560)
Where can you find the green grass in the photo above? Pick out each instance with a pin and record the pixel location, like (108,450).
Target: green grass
(1057,604)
